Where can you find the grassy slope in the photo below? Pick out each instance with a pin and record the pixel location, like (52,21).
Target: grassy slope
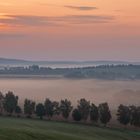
(23,129)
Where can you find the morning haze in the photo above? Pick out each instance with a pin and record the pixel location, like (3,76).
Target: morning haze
(113,92)
(70,70)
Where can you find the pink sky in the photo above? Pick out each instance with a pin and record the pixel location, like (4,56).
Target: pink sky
(70,30)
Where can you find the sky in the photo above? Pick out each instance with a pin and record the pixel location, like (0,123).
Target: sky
(70,29)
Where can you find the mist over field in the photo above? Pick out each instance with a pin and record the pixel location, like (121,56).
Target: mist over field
(114,92)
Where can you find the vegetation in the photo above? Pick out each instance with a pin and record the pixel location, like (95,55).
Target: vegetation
(51,108)
(65,108)
(1,103)
(85,111)
(18,111)
(100,72)
(29,129)
(84,108)
(94,113)
(129,115)
(29,108)
(76,114)
(135,116)
(10,102)
(124,114)
(40,110)
(104,113)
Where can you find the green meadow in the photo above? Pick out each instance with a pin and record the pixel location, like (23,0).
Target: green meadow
(28,129)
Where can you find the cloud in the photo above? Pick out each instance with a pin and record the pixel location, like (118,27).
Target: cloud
(83,8)
(82,19)
(26,20)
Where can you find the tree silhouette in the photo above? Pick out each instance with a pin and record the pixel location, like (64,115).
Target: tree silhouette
(94,114)
(29,108)
(123,114)
(135,116)
(40,110)
(76,115)
(84,108)
(10,103)
(18,111)
(104,113)
(65,108)
(51,108)
(1,103)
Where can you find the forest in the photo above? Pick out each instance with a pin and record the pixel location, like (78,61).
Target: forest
(109,72)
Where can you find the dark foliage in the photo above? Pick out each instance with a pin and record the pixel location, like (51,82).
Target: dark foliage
(51,108)
(99,72)
(124,114)
(104,113)
(65,108)
(84,108)
(29,108)
(94,114)
(135,116)
(40,110)
(10,103)
(18,111)
(76,115)
(1,102)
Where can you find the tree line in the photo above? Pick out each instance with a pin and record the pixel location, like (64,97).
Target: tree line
(84,111)
(111,72)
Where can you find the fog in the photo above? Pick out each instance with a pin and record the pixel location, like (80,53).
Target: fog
(97,91)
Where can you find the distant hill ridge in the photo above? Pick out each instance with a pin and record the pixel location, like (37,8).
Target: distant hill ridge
(8,61)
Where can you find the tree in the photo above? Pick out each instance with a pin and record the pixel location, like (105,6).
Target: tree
(65,108)
(94,114)
(76,114)
(40,110)
(51,108)
(18,111)
(10,103)
(48,108)
(84,108)
(1,103)
(56,108)
(135,116)
(104,113)
(123,114)
(29,108)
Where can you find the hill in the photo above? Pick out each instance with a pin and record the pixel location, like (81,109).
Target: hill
(25,129)
(8,61)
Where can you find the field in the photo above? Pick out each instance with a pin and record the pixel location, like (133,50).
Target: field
(25,129)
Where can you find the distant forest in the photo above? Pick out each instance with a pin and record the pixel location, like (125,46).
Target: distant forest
(110,72)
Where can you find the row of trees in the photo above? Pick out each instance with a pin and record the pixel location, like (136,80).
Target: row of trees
(84,110)
(129,115)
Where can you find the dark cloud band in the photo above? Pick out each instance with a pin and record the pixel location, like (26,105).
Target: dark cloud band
(84,8)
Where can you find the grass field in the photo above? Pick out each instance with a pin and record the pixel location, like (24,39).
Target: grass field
(25,129)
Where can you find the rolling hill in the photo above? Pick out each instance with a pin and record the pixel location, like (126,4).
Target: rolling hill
(25,129)
(8,61)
